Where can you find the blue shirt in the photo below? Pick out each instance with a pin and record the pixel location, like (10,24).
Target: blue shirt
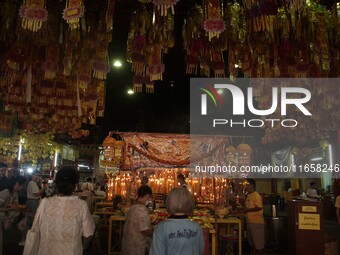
(177,237)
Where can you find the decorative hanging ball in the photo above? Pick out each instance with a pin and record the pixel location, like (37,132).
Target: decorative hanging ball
(230,150)
(244,148)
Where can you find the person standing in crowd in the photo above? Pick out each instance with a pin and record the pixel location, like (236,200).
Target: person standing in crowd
(9,202)
(178,235)
(65,218)
(3,178)
(33,196)
(255,221)
(181,180)
(137,231)
(312,193)
(145,180)
(87,186)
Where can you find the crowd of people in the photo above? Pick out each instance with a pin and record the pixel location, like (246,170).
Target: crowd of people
(178,235)
(66,222)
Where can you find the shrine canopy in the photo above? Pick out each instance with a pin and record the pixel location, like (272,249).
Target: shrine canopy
(152,150)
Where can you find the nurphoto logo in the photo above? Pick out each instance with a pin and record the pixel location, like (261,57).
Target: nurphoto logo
(296,96)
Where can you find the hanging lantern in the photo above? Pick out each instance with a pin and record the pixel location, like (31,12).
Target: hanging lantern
(33,14)
(164,5)
(113,151)
(73,12)
(230,150)
(244,151)
(230,154)
(244,148)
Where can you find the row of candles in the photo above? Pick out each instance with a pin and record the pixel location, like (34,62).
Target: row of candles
(162,181)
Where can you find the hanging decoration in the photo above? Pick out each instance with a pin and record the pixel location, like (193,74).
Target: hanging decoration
(113,152)
(51,65)
(155,68)
(73,12)
(111,6)
(138,84)
(164,5)
(213,24)
(244,152)
(150,36)
(193,39)
(54,80)
(84,74)
(100,64)
(149,85)
(230,155)
(33,14)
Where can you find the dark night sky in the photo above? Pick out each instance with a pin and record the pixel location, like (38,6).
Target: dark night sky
(167,109)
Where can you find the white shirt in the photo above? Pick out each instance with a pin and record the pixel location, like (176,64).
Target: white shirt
(87,186)
(312,193)
(64,221)
(32,188)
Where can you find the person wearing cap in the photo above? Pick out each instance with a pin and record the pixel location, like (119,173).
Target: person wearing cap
(3,178)
(33,195)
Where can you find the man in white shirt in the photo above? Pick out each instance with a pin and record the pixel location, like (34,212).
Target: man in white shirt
(87,186)
(33,195)
(312,193)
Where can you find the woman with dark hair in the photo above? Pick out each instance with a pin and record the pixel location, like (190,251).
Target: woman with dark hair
(65,218)
(137,231)
(9,201)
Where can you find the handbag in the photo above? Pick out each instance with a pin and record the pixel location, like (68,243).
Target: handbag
(33,235)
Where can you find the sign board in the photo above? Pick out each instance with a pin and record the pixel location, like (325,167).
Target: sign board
(309,221)
(309,209)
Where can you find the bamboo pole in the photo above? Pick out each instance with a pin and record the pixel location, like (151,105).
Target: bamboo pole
(215,217)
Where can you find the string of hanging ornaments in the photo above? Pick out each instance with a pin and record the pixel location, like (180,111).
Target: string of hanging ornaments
(55,71)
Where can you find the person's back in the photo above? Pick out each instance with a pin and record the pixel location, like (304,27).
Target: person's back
(3,178)
(182,237)
(65,220)
(178,235)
